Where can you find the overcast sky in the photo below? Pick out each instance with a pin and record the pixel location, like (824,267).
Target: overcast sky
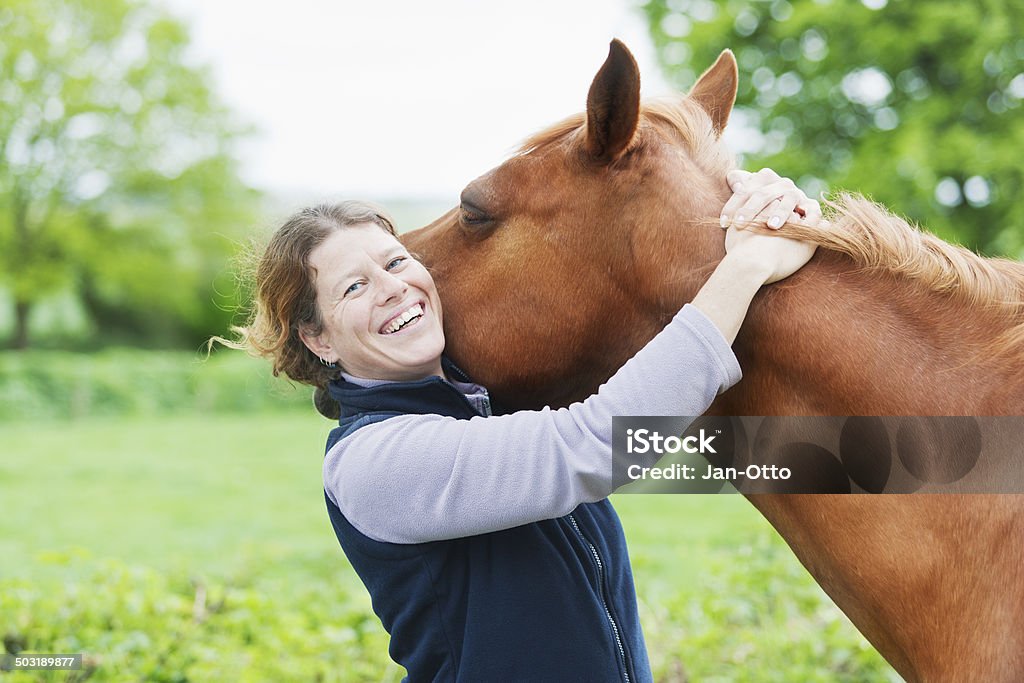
(402,99)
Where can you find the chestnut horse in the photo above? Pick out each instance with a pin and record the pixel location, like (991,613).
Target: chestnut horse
(566,259)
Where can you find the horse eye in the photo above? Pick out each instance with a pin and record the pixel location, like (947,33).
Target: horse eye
(471,215)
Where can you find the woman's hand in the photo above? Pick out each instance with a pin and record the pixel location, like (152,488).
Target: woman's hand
(763,199)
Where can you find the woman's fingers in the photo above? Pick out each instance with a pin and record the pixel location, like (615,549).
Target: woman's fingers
(765,198)
(812,219)
(737,178)
(752,193)
(793,203)
(778,212)
(809,208)
(750,206)
(740,184)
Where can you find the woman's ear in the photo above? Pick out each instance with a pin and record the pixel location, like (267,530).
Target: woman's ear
(318,345)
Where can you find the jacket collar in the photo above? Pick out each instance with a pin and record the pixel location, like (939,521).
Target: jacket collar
(432,395)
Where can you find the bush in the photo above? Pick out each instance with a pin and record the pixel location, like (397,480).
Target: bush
(53,384)
(133,623)
(756,615)
(760,618)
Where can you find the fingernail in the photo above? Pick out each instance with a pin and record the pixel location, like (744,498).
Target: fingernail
(741,219)
(737,187)
(774,222)
(724,221)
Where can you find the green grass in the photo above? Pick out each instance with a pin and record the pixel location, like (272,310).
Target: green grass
(672,537)
(173,494)
(184,493)
(111,528)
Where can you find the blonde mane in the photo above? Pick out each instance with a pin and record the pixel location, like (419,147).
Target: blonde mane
(877,240)
(552,134)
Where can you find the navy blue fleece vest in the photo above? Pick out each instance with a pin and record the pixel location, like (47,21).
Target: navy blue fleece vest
(547,601)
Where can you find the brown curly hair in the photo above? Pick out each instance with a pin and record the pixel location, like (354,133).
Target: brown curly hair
(284,297)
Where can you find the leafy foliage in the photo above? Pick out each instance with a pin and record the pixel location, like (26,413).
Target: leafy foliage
(117,179)
(757,616)
(761,619)
(134,623)
(65,385)
(914,103)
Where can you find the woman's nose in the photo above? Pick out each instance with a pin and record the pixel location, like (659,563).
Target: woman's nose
(391,287)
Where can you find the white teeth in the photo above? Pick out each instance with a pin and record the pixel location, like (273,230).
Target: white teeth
(413,311)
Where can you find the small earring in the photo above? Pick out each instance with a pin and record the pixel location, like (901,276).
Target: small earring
(327,364)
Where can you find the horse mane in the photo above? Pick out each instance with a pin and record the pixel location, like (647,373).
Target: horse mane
(879,241)
(682,116)
(552,134)
(693,128)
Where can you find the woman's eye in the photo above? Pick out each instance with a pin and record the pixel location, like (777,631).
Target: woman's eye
(395,262)
(353,288)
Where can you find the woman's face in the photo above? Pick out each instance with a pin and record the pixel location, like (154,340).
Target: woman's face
(380,309)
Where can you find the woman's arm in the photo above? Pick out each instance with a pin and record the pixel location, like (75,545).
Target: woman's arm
(418,478)
(727,294)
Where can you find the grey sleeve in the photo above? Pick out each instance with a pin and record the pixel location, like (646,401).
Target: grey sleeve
(418,478)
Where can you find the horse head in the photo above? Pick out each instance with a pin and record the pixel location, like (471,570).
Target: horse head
(563,261)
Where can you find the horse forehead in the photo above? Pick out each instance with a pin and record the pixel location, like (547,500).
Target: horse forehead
(540,167)
(562,172)
(532,181)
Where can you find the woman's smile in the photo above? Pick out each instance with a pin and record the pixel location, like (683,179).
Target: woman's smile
(404,319)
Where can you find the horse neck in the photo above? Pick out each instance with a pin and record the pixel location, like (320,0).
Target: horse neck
(832,340)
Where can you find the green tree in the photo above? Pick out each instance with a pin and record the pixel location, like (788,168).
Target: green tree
(916,104)
(117,176)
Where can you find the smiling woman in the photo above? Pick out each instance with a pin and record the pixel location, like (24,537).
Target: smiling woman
(381,317)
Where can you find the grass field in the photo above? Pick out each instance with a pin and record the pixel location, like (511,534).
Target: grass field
(199,549)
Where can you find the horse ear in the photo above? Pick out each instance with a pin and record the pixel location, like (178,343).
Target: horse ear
(613,104)
(715,90)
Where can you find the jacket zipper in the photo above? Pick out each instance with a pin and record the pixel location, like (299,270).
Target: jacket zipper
(604,603)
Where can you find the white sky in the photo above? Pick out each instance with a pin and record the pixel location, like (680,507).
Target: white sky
(402,98)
